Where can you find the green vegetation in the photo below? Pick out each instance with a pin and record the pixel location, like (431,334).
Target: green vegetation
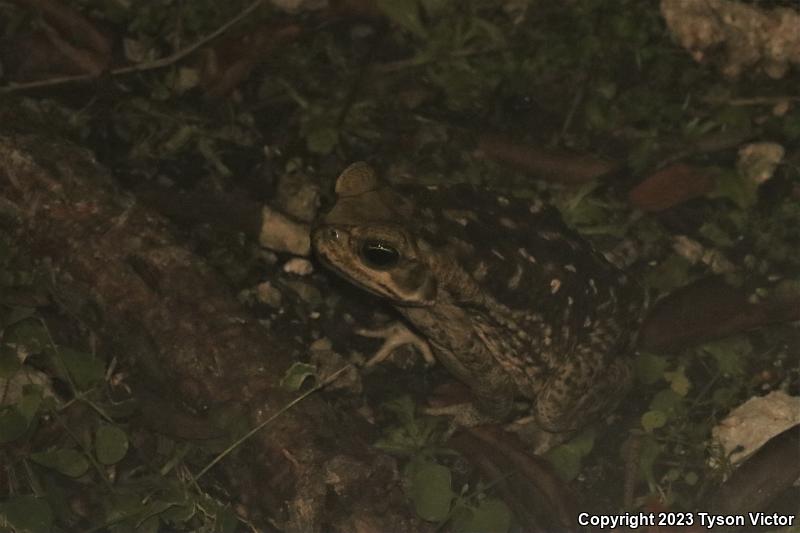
(411,87)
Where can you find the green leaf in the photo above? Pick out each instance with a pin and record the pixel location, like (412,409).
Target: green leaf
(668,402)
(584,441)
(567,458)
(606,88)
(111,444)
(738,189)
(179,513)
(59,497)
(433,7)
(210,150)
(494,33)
(430,489)
(84,369)
(652,420)
(5,251)
(404,13)
(186,78)
(16,314)
(730,354)
(160,92)
(649,451)
(225,521)
(179,139)
(64,460)
(596,113)
(149,525)
(650,368)
(322,140)
(671,273)
(490,516)
(724,397)
(160,507)
(791,125)
(123,505)
(9,362)
(678,381)
(414,434)
(397,441)
(29,404)
(403,408)
(13,424)
(30,334)
(714,233)
(28,514)
(294,377)
(673,474)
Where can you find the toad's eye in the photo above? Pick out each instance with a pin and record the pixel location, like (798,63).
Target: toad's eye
(379,255)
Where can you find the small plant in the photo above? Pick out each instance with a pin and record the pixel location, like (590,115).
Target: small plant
(429,483)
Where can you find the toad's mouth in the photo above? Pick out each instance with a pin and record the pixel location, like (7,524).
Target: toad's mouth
(401,287)
(346,275)
(384,292)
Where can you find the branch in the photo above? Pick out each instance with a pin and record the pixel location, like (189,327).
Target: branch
(141,67)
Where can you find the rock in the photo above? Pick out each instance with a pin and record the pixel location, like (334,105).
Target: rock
(282,234)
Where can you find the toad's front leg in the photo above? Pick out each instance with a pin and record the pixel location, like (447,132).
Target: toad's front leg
(394,335)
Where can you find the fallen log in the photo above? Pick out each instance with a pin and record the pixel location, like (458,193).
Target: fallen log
(119,269)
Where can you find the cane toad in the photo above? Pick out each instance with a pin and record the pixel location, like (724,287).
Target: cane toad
(514,304)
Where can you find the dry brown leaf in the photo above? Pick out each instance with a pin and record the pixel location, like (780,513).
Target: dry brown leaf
(672,186)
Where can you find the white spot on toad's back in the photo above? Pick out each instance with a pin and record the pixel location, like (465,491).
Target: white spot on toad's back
(555,284)
(513,283)
(508,223)
(524,253)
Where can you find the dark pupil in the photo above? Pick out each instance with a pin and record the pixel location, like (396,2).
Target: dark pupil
(379,255)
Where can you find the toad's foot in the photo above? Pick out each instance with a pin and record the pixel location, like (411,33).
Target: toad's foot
(395,335)
(450,402)
(455,401)
(462,415)
(466,415)
(540,440)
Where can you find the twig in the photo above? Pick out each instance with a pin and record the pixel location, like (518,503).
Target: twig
(757,100)
(413,62)
(330,379)
(632,447)
(141,67)
(359,80)
(576,101)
